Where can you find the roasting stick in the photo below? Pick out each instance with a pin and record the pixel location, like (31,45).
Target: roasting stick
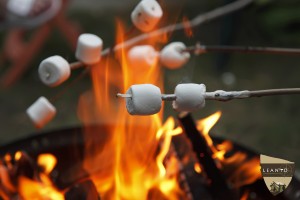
(221,95)
(197,21)
(146,99)
(199,49)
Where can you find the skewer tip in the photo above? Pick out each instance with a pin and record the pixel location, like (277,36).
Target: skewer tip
(119,95)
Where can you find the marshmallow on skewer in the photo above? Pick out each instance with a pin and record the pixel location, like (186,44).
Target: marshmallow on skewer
(89,48)
(41,112)
(142,58)
(146,15)
(189,97)
(144,99)
(173,56)
(54,70)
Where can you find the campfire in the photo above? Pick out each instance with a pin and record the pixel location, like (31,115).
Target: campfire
(115,155)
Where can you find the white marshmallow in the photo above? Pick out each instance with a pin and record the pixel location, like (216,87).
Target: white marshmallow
(54,70)
(41,112)
(172,55)
(20,7)
(145,100)
(146,15)
(89,48)
(189,97)
(142,58)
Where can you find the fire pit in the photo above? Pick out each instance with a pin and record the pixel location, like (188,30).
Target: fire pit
(70,178)
(115,155)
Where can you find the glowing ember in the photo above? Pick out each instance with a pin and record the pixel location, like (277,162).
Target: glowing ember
(197,168)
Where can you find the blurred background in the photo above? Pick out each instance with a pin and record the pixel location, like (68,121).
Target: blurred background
(268,125)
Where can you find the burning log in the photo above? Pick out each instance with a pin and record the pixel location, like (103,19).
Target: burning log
(85,190)
(217,182)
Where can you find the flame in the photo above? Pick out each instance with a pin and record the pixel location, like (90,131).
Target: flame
(30,189)
(127,161)
(206,124)
(239,169)
(245,195)
(41,188)
(127,157)
(18,155)
(197,168)
(47,161)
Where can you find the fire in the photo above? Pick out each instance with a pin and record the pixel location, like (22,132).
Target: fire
(30,189)
(128,157)
(197,168)
(238,167)
(47,161)
(128,165)
(43,188)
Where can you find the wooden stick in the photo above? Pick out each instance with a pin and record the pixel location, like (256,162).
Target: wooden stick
(199,49)
(218,185)
(220,95)
(198,20)
(76,65)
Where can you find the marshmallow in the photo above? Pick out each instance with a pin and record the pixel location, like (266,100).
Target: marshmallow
(142,58)
(172,55)
(189,97)
(41,112)
(146,15)
(20,8)
(89,48)
(54,70)
(145,99)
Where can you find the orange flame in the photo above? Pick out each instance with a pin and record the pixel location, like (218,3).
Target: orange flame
(43,188)
(237,167)
(30,189)
(124,161)
(47,161)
